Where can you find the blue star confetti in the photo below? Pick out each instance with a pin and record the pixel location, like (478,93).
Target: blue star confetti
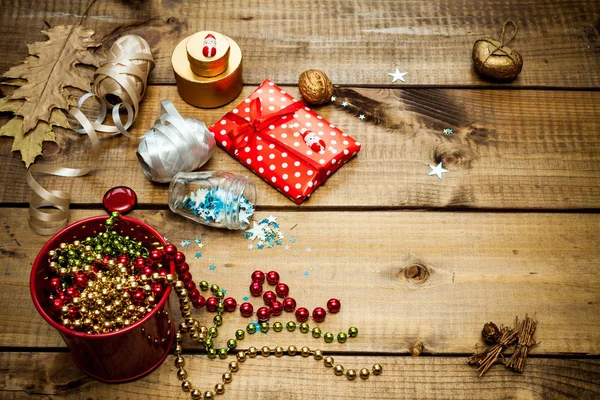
(245,298)
(267,232)
(198,240)
(185,243)
(212,267)
(198,254)
(306,272)
(293,240)
(447,131)
(215,206)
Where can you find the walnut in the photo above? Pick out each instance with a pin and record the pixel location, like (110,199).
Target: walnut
(315,87)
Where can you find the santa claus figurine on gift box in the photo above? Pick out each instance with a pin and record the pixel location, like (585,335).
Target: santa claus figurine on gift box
(315,143)
(210,46)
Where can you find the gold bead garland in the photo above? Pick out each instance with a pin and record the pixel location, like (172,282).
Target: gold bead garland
(198,333)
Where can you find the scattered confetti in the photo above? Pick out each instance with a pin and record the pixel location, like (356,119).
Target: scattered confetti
(245,298)
(198,240)
(362,117)
(333,98)
(266,231)
(224,291)
(211,260)
(313,269)
(345,262)
(295,254)
(166,239)
(198,254)
(286,218)
(306,272)
(375,272)
(215,205)
(250,246)
(201,245)
(185,243)
(344,104)
(447,131)
(438,170)
(212,267)
(308,249)
(293,240)
(397,75)
(286,247)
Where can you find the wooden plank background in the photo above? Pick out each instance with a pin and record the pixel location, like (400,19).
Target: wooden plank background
(510,149)
(511,229)
(354,41)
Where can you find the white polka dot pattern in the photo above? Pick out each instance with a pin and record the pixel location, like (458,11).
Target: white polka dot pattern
(284,159)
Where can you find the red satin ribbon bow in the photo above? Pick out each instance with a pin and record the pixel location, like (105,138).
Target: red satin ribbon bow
(244,132)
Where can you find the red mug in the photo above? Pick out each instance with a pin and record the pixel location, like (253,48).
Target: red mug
(123,355)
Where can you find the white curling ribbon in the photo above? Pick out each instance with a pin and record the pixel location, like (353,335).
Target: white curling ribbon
(173,145)
(120,82)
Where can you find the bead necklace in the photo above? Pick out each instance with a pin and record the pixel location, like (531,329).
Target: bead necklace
(108,282)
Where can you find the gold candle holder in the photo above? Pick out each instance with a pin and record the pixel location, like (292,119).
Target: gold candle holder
(208,81)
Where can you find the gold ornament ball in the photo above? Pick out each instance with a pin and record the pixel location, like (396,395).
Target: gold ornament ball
(338,370)
(377,369)
(196,394)
(351,374)
(497,64)
(219,388)
(209,395)
(364,373)
(315,87)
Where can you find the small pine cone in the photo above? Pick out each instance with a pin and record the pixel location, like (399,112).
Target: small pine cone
(490,333)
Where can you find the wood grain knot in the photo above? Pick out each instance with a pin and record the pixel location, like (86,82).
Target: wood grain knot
(417,349)
(454,155)
(416,273)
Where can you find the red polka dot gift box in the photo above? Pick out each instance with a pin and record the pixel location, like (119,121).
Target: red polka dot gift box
(283,141)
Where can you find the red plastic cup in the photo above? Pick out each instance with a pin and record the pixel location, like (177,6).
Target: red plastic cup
(124,355)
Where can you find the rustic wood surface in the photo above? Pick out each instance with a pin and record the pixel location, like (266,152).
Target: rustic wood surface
(511,229)
(354,41)
(524,149)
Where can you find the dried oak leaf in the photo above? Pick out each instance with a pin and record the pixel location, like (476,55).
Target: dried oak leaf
(30,145)
(52,68)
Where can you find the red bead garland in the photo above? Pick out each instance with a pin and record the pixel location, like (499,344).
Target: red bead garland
(302,314)
(255,289)
(272,277)
(334,305)
(229,304)
(319,314)
(269,297)
(258,276)
(282,290)
(263,314)
(246,309)
(288,304)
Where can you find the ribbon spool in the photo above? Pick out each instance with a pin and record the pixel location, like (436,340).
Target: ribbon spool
(120,81)
(207,82)
(174,145)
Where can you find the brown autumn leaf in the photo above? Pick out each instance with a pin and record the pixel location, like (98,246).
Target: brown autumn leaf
(52,66)
(30,145)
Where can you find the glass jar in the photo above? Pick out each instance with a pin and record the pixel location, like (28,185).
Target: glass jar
(213,198)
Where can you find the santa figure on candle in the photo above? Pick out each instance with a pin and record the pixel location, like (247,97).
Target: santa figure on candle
(210,46)
(313,141)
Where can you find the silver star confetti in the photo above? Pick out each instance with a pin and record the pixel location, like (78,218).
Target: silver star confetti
(438,170)
(397,75)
